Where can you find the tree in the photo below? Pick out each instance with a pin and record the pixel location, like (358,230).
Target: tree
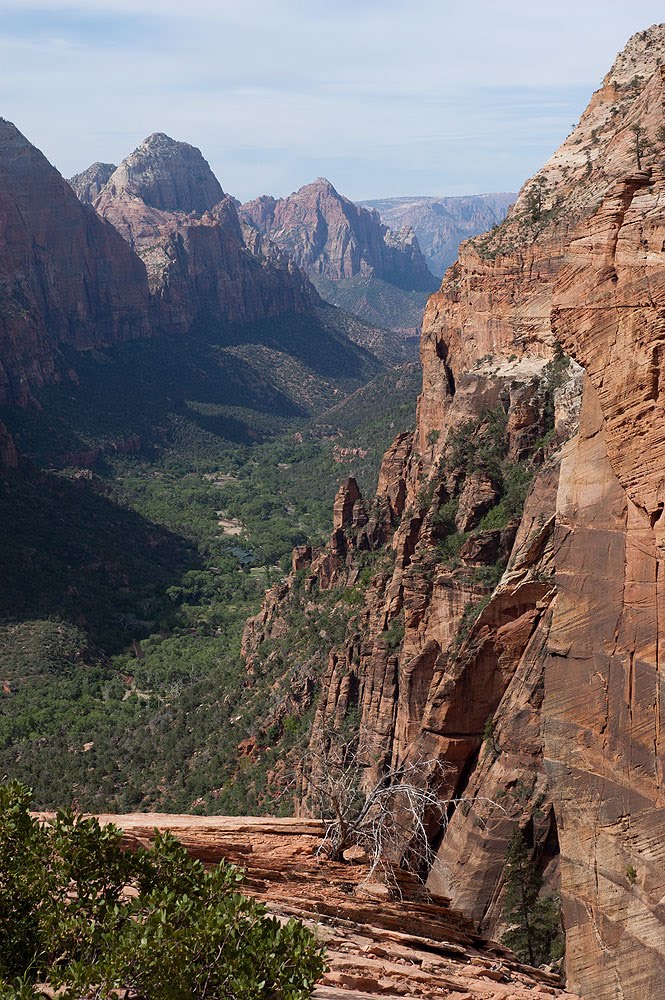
(642,143)
(388,812)
(67,919)
(536,934)
(535,197)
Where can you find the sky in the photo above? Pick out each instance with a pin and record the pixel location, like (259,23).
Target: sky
(383,97)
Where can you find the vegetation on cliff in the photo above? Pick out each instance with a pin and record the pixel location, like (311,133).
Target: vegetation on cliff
(535,934)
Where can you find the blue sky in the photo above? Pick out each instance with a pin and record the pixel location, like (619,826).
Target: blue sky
(383,97)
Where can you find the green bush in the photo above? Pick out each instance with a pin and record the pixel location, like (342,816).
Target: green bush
(536,934)
(184,933)
(394,634)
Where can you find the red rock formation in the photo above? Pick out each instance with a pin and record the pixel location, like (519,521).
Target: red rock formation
(167,203)
(562,660)
(327,235)
(376,946)
(66,277)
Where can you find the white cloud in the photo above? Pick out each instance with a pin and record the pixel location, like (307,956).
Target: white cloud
(385,91)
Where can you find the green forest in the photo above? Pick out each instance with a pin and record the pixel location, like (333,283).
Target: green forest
(157,500)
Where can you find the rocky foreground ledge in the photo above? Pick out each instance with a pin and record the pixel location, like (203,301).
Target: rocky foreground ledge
(377,946)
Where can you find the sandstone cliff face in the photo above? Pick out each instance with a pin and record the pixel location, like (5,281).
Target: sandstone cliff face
(541,695)
(66,277)
(327,235)
(167,203)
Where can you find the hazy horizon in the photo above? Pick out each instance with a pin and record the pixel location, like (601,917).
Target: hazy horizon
(384,101)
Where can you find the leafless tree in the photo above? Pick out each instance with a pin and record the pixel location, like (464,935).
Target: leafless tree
(389,813)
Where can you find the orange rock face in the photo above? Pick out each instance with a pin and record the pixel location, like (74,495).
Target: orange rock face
(542,697)
(377,946)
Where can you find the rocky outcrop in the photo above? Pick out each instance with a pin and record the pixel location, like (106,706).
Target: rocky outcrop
(167,203)
(88,184)
(328,236)
(164,174)
(376,946)
(66,276)
(441,224)
(541,696)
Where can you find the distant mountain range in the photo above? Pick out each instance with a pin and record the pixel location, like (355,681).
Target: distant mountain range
(354,260)
(381,259)
(441,224)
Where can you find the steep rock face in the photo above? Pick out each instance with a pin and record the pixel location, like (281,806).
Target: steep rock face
(167,175)
(604,748)
(166,202)
(88,184)
(441,224)
(328,236)
(542,695)
(66,277)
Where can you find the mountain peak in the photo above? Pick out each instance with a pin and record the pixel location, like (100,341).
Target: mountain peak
(320,185)
(90,182)
(330,237)
(640,56)
(167,174)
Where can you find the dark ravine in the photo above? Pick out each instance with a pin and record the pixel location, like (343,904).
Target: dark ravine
(562,659)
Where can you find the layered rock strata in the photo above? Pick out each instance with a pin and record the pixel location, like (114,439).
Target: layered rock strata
(327,235)
(540,696)
(376,946)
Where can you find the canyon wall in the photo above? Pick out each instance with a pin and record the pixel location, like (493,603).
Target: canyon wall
(66,276)
(327,235)
(540,693)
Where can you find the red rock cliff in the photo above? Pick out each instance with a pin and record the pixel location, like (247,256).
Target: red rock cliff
(66,277)
(169,206)
(542,694)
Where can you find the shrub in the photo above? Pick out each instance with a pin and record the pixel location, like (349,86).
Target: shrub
(394,634)
(536,935)
(65,919)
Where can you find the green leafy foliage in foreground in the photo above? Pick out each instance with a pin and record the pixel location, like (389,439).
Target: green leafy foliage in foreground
(535,935)
(67,919)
